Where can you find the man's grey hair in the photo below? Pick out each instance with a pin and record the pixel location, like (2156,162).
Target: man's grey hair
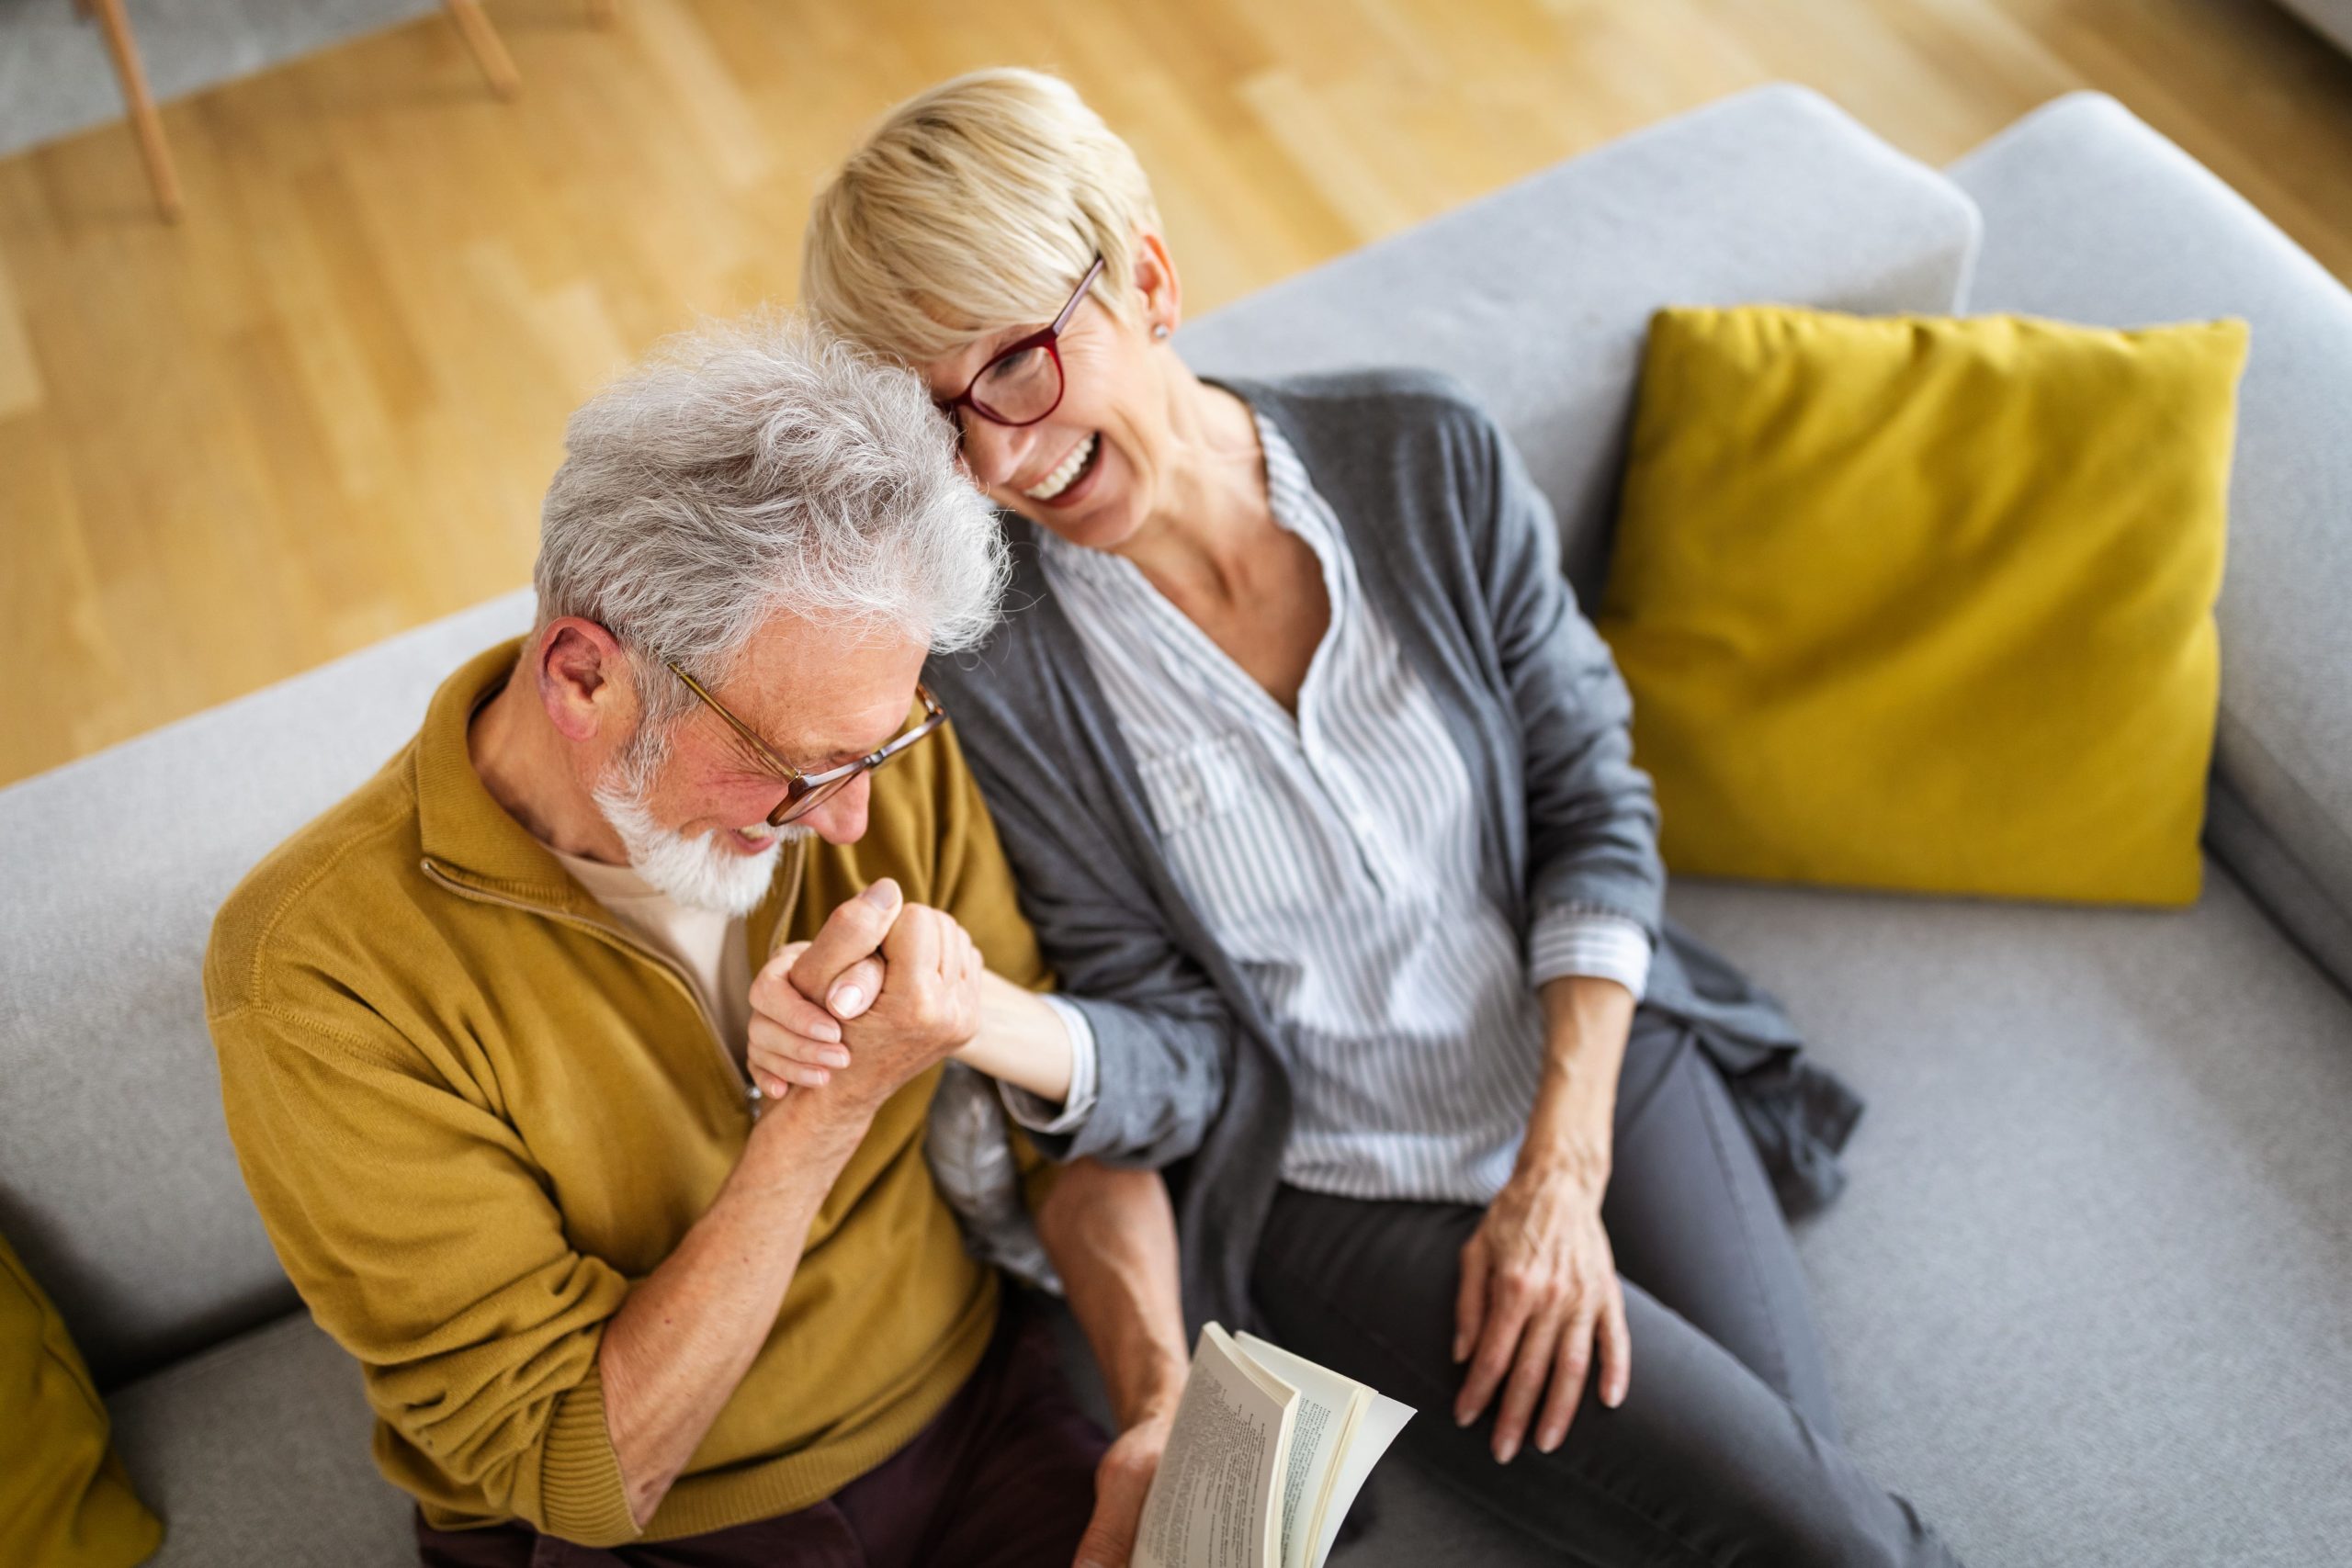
(756,468)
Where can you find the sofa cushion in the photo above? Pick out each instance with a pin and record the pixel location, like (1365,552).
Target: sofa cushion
(2093,217)
(257,1451)
(116,1181)
(2085,1297)
(1537,297)
(64,1501)
(1914,603)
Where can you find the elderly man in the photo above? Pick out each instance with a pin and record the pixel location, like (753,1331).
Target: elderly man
(483,1026)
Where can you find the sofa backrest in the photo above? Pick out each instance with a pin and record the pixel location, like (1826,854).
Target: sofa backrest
(116,1181)
(2094,216)
(1538,296)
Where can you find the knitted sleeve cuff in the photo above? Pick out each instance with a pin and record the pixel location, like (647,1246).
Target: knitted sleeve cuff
(582,1497)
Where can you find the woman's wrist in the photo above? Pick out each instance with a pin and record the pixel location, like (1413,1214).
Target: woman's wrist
(1021,1041)
(1571,1128)
(1575,1157)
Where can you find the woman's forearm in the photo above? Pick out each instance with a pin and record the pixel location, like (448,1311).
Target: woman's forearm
(1021,1041)
(1586,1019)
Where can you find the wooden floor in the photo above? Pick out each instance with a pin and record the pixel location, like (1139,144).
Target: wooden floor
(322,408)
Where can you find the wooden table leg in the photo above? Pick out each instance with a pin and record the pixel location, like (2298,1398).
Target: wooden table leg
(143,119)
(482,39)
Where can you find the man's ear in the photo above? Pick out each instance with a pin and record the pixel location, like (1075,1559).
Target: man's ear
(584,681)
(1156,280)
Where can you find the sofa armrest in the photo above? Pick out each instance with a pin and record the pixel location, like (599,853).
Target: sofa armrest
(2091,216)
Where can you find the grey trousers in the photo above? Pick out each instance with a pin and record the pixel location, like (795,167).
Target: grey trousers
(1726,1448)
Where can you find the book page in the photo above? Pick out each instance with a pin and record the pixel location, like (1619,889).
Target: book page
(1212,1504)
(1327,1409)
(1377,1427)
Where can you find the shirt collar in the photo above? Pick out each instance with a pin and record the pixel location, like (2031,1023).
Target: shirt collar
(1290,494)
(473,842)
(468,836)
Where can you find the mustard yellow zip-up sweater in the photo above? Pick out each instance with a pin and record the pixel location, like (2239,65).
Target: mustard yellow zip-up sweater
(474,1110)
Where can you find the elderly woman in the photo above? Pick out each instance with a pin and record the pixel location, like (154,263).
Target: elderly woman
(1301,751)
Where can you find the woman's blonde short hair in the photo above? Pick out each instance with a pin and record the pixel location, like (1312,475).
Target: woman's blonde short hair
(974,208)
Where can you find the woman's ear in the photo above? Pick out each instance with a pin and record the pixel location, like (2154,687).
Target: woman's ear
(1156,281)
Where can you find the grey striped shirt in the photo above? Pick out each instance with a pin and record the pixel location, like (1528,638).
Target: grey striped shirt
(1345,885)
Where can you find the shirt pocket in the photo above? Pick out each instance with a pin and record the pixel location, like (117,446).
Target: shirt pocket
(1192,786)
(1237,846)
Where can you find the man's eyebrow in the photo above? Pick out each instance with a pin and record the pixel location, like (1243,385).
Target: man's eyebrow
(820,760)
(816,763)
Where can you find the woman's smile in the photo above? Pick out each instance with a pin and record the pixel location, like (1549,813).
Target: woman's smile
(1058,478)
(1072,479)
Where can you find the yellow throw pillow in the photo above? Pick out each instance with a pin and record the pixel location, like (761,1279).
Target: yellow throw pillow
(1928,604)
(64,1500)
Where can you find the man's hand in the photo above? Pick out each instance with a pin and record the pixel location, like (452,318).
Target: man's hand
(894,1013)
(929,1006)
(1539,1292)
(1122,1481)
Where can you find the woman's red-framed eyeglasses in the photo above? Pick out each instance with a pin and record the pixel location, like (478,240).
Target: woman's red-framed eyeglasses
(1024,384)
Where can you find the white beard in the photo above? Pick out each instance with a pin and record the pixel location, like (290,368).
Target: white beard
(694,870)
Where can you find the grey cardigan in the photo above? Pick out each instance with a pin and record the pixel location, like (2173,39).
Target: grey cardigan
(1460,552)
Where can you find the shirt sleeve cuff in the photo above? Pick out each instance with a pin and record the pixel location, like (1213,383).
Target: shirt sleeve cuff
(1041,1115)
(1573,939)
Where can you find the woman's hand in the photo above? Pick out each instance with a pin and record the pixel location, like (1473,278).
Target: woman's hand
(1538,1297)
(792,1039)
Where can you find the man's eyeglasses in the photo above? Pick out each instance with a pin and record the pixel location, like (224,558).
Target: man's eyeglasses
(803,792)
(1024,384)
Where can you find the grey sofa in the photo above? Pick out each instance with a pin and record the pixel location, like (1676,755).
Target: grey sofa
(2089,1297)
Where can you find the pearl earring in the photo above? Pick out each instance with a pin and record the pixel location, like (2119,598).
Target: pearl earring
(1160,330)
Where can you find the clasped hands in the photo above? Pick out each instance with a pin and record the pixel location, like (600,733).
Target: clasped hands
(888,990)
(898,982)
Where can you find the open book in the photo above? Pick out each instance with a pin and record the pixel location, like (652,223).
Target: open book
(1267,1454)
